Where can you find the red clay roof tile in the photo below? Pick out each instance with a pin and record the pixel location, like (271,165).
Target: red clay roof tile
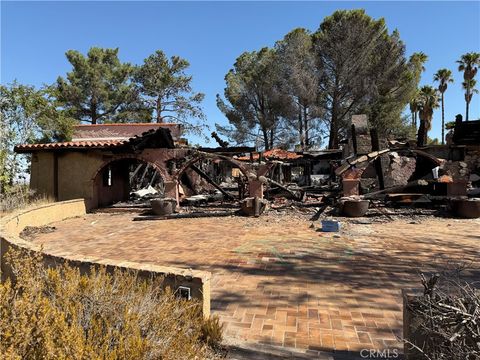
(70,145)
(273,154)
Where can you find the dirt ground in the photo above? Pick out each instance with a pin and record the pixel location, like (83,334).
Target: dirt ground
(277,280)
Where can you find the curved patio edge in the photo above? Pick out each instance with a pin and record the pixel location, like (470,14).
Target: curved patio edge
(12,225)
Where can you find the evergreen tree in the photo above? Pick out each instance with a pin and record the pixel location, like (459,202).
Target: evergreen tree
(98,89)
(167,92)
(255,105)
(363,69)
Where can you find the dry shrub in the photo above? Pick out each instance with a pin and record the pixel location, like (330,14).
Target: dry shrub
(448,318)
(57,313)
(21,197)
(212,331)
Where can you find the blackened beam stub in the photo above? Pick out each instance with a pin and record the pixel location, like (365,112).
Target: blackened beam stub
(354,139)
(223,144)
(378,160)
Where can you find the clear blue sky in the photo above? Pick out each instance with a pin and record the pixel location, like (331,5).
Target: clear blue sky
(211,35)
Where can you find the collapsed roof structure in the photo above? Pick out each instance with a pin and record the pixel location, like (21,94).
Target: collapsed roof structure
(112,163)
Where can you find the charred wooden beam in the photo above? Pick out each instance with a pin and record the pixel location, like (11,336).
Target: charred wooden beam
(185,215)
(223,144)
(354,139)
(154,177)
(135,172)
(396,188)
(144,174)
(210,181)
(294,195)
(232,150)
(378,160)
(319,212)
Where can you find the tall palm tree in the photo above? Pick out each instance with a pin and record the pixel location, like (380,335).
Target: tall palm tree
(428,100)
(414,107)
(443,76)
(469,86)
(413,110)
(468,63)
(417,65)
(419,59)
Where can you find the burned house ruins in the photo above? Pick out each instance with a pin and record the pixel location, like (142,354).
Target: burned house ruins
(127,164)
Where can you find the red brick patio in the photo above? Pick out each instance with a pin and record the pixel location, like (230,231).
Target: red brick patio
(277,281)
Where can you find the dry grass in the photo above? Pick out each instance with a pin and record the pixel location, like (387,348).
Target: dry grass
(21,198)
(61,314)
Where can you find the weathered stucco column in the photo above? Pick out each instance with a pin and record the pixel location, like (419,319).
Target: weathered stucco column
(351,187)
(171,190)
(255,188)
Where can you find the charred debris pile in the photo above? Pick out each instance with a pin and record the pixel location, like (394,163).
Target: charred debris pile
(380,179)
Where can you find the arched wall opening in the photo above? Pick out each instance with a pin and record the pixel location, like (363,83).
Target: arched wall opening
(117,180)
(230,168)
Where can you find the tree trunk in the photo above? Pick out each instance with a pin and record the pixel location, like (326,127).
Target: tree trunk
(93,113)
(421,134)
(159,110)
(13,170)
(333,140)
(467,104)
(272,133)
(305,126)
(300,128)
(443,120)
(265,139)
(467,101)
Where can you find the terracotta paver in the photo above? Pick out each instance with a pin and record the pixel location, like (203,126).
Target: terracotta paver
(276,281)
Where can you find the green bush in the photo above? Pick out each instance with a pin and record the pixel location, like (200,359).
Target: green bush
(58,313)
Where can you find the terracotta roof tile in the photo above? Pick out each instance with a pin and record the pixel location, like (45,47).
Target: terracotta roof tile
(95,143)
(274,154)
(70,145)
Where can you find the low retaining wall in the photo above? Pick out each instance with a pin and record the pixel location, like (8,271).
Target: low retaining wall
(12,225)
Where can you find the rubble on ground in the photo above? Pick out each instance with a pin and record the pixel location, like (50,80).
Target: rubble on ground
(387,178)
(29,232)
